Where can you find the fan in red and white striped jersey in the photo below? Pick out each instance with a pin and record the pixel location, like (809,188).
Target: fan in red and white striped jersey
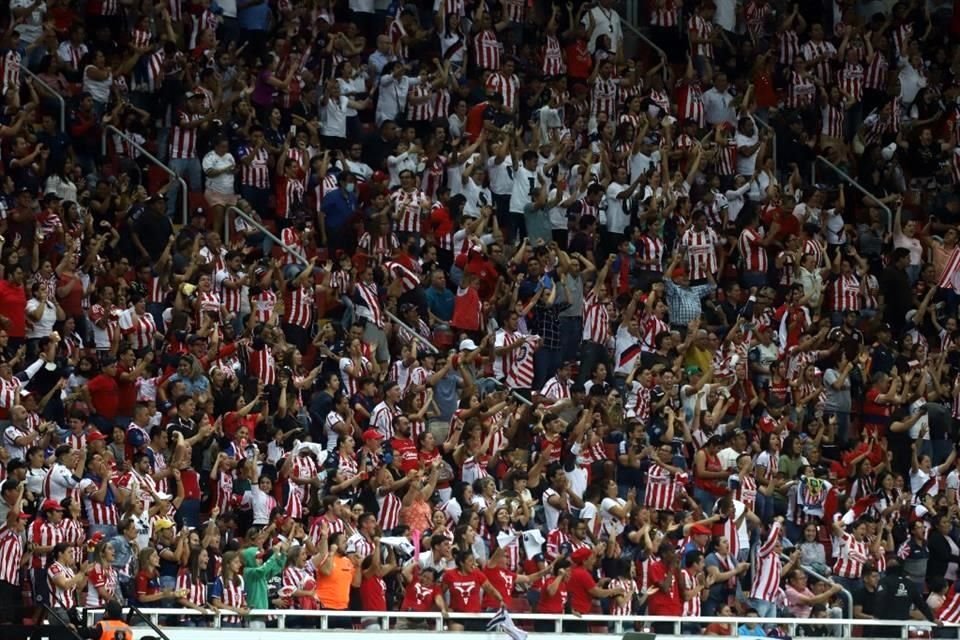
(390,504)
(299,304)
(833,118)
(820,54)
(553,63)
(766,576)
(45,532)
(261,365)
(801,91)
(367,299)
(845,290)
(10,70)
(487,50)
(690,102)
(663,482)
(700,32)
(752,250)
(101,582)
(637,401)
(263,304)
(183,138)
(851,555)
(254,159)
(59,579)
(690,580)
(195,586)
(700,243)
(875,77)
(506,84)
(383,415)
(850,78)
(138,326)
(755,14)
(231,282)
(596,318)
(605,92)
(303,471)
(557,388)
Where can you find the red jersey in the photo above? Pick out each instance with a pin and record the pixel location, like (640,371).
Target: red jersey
(556,603)
(465,590)
(664,603)
(503,580)
(581,582)
(418,597)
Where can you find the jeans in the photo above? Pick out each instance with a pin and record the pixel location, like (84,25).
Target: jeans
(764,608)
(189,169)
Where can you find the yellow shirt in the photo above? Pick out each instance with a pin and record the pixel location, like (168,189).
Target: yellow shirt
(333,591)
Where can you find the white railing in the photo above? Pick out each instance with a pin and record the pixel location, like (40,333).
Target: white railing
(184,188)
(52,92)
(615,624)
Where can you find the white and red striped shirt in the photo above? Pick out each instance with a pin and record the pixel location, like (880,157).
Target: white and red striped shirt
(753,254)
(789,47)
(876,74)
(828,52)
(508,88)
(701,251)
(370,298)
(851,80)
(845,293)
(698,27)
(183,141)
(233,595)
(381,419)
(666,16)
(556,390)
(521,372)
(293,242)
(100,577)
(661,488)
(97,512)
(417,110)
(142,330)
(230,297)
(408,209)
(766,577)
(596,320)
(304,468)
(755,14)
(61,598)
(486,50)
(801,91)
(299,306)
(257,173)
(10,76)
(691,107)
(603,97)
(851,556)
(262,366)
(389,516)
(651,248)
(42,534)
(553,61)
(263,304)
(691,607)
(195,586)
(397,33)
(832,119)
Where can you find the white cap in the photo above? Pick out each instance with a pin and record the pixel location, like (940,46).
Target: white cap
(888,151)
(468,345)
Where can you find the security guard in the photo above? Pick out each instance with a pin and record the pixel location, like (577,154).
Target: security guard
(111,627)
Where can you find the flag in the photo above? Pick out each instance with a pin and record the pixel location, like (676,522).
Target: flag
(501,621)
(949,278)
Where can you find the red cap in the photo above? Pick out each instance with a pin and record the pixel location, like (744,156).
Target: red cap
(700,530)
(580,555)
(96,538)
(371,434)
(679,272)
(95,435)
(51,505)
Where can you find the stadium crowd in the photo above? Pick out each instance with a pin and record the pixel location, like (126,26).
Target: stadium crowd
(557,320)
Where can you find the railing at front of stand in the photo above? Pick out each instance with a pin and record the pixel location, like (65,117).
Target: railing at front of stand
(259,226)
(859,187)
(56,95)
(184,189)
(615,624)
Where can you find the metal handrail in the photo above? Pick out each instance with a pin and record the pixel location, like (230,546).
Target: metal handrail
(814,574)
(53,92)
(243,214)
(416,335)
(773,139)
(152,158)
(619,622)
(856,185)
(636,31)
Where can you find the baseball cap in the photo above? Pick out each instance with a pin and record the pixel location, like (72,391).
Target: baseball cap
(51,505)
(371,434)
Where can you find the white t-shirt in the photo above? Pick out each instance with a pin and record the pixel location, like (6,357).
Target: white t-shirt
(617,218)
(44,326)
(501,176)
(334,116)
(31,28)
(746,164)
(524,186)
(477,197)
(222,183)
